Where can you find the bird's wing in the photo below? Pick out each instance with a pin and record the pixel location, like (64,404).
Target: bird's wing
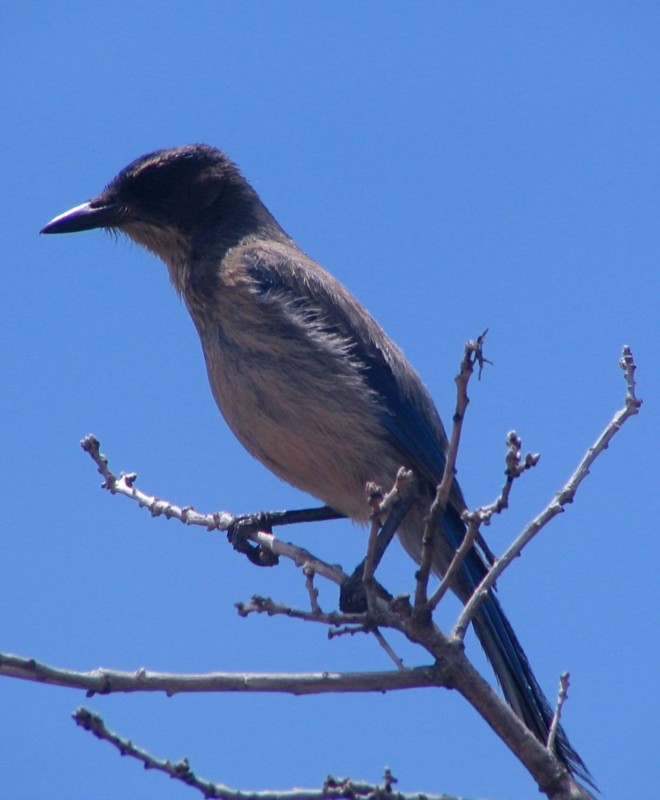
(407,410)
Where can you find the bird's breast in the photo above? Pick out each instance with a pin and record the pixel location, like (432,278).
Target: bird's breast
(299,405)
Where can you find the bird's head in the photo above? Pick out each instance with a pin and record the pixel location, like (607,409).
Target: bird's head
(175,202)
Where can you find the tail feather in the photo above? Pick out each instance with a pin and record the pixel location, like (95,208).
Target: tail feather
(505,653)
(520,687)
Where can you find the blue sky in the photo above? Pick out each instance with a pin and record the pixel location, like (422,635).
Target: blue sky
(458,166)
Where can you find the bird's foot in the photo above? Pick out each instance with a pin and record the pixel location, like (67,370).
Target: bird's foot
(353,593)
(238,533)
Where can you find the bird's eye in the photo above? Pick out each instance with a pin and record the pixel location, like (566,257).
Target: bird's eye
(205,192)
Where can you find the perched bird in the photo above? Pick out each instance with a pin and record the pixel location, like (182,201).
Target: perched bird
(304,376)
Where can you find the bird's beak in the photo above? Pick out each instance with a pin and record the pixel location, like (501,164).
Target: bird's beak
(93,214)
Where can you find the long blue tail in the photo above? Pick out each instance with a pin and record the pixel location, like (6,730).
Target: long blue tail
(508,659)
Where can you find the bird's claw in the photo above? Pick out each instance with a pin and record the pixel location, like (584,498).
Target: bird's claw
(237,536)
(353,593)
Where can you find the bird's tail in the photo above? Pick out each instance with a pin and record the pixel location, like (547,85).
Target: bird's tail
(504,651)
(520,687)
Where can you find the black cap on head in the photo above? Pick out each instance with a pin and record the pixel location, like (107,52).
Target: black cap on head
(163,188)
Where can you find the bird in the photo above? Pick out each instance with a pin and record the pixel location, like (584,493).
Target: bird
(304,376)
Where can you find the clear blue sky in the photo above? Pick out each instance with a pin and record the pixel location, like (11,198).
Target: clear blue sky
(459,166)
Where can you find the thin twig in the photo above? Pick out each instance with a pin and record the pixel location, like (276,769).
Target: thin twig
(312,591)
(387,647)
(562,498)
(393,506)
(515,467)
(472,528)
(342,624)
(380,535)
(473,354)
(124,484)
(562,696)
(375,500)
(333,788)
(264,605)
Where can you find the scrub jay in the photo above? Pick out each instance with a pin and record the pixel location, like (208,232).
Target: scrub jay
(306,379)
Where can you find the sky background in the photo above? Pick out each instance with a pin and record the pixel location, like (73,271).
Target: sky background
(459,166)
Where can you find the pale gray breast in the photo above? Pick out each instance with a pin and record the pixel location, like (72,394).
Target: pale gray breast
(299,405)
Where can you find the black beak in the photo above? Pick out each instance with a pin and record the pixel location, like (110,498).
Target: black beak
(85,217)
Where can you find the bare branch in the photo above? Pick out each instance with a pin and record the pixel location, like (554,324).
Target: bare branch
(342,624)
(515,466)
(124,484)
(562,696)
(382,641)
(472,354)
(108,681)
(563,497)
(312,591)
(472,528)
(264,605)
(380,534)
(333,788)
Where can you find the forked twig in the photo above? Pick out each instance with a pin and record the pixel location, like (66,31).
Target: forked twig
(562,498)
